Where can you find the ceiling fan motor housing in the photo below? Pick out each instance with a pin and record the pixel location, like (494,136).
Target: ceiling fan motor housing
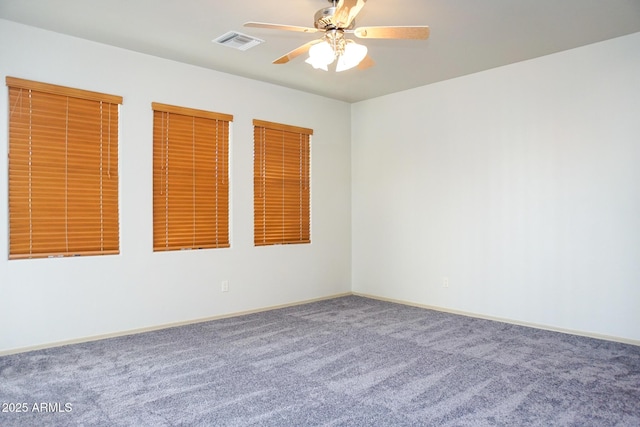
(323,19)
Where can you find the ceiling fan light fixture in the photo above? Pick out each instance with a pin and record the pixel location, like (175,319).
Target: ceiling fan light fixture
(353,54)
(321,55)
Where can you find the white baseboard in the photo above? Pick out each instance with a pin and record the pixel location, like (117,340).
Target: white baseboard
(293,304)
(503,320)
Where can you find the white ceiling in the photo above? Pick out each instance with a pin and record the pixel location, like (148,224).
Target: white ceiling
(467,36)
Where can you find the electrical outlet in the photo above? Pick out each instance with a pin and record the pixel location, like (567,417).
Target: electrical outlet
(224,286)
(445,282)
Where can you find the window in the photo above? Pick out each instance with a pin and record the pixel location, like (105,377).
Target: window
(281,184)
(190,178)
(63,171)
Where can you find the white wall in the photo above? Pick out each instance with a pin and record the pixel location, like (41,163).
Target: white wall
(520,184)
(45,301)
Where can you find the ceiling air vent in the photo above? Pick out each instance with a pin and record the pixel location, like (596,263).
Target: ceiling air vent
(238,40)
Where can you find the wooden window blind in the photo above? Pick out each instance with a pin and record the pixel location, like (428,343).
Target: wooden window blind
(190,178)
(281,184)
(63,171)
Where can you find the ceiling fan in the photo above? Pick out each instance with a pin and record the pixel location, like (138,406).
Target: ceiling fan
(336,21)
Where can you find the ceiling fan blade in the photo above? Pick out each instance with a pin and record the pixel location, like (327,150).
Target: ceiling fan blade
(296,52)
(419,33)
(367,62)
(346,11)
(280,27)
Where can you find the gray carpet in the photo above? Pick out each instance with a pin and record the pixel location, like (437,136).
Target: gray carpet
(348,361)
